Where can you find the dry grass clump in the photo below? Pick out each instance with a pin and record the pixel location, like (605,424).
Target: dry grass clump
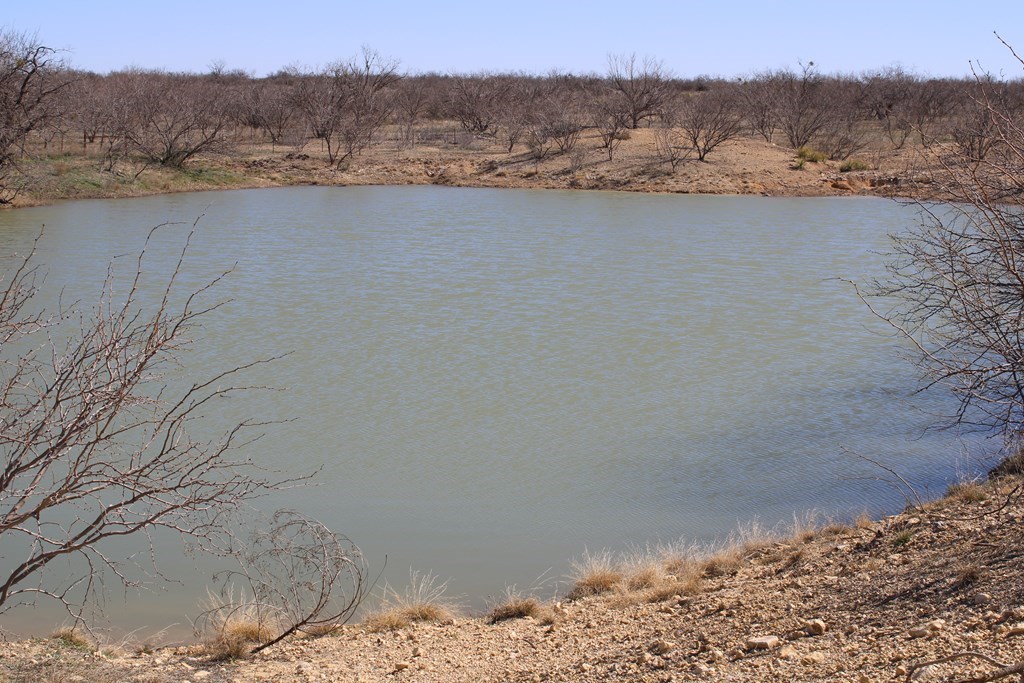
(236,639)
(422,601)
(967,574)
(515,605)
(651,574)
(1012,465)
(321,630)
(594,574)
(72,637)
(968,492)
(233,628)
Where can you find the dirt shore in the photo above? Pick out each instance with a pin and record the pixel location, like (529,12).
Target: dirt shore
(746,166)
(864,602)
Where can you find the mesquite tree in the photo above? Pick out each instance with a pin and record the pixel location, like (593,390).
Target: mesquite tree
(31,76)
(955,289)
(100,439)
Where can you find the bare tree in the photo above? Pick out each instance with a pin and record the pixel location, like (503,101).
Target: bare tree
(800,106)
(170,118)
(886,96)
(708,119)
(955,289)
(475,101)
(610,123)
(640,86)
(268,106)
(843,132)
(98,441)
(519,110)
(757,96)
(346,103)
(31,76)
(412,99)
(980,119)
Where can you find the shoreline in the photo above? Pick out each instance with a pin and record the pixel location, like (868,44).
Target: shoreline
(865,601)
(744,167)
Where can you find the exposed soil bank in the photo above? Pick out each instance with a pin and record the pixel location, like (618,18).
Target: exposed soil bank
(745,166)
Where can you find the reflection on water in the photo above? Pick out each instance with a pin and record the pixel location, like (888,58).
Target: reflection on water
(495,380)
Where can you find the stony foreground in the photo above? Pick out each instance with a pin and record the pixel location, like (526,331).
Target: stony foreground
(868,602)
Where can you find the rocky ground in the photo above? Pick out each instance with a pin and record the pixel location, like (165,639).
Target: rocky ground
(864,602)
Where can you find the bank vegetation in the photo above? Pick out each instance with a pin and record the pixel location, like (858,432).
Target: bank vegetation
(638,125)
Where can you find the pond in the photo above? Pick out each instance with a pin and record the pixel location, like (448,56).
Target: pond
(493,381)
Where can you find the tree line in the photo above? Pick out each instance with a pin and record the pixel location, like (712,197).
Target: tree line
(156,117)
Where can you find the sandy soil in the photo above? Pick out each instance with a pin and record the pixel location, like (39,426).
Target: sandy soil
(748,166)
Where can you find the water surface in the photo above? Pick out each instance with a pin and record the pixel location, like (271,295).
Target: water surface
(493,381)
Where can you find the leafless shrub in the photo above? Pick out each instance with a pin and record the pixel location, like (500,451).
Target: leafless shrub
(170,118)
(955,288)
(639,86)
(707,120)
(31,79)
(96,445)
(346,103)
(801,107)
(296,576)
(672,146)
(610,123)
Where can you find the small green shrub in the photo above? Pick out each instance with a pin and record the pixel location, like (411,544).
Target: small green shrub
(69,636)
(810,154)
(902,538)
(853,165)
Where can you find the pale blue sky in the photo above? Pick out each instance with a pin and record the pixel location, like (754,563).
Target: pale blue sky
(725,38)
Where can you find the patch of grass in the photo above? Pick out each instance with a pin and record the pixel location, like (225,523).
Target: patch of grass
(594,575)
(422,601)
(233,627)
(724,562)
(902,538)
(966,575)
(853,165)
(968,492)
(69,636)
(321,630)
(810,154)
(514,605)
(1012,465)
